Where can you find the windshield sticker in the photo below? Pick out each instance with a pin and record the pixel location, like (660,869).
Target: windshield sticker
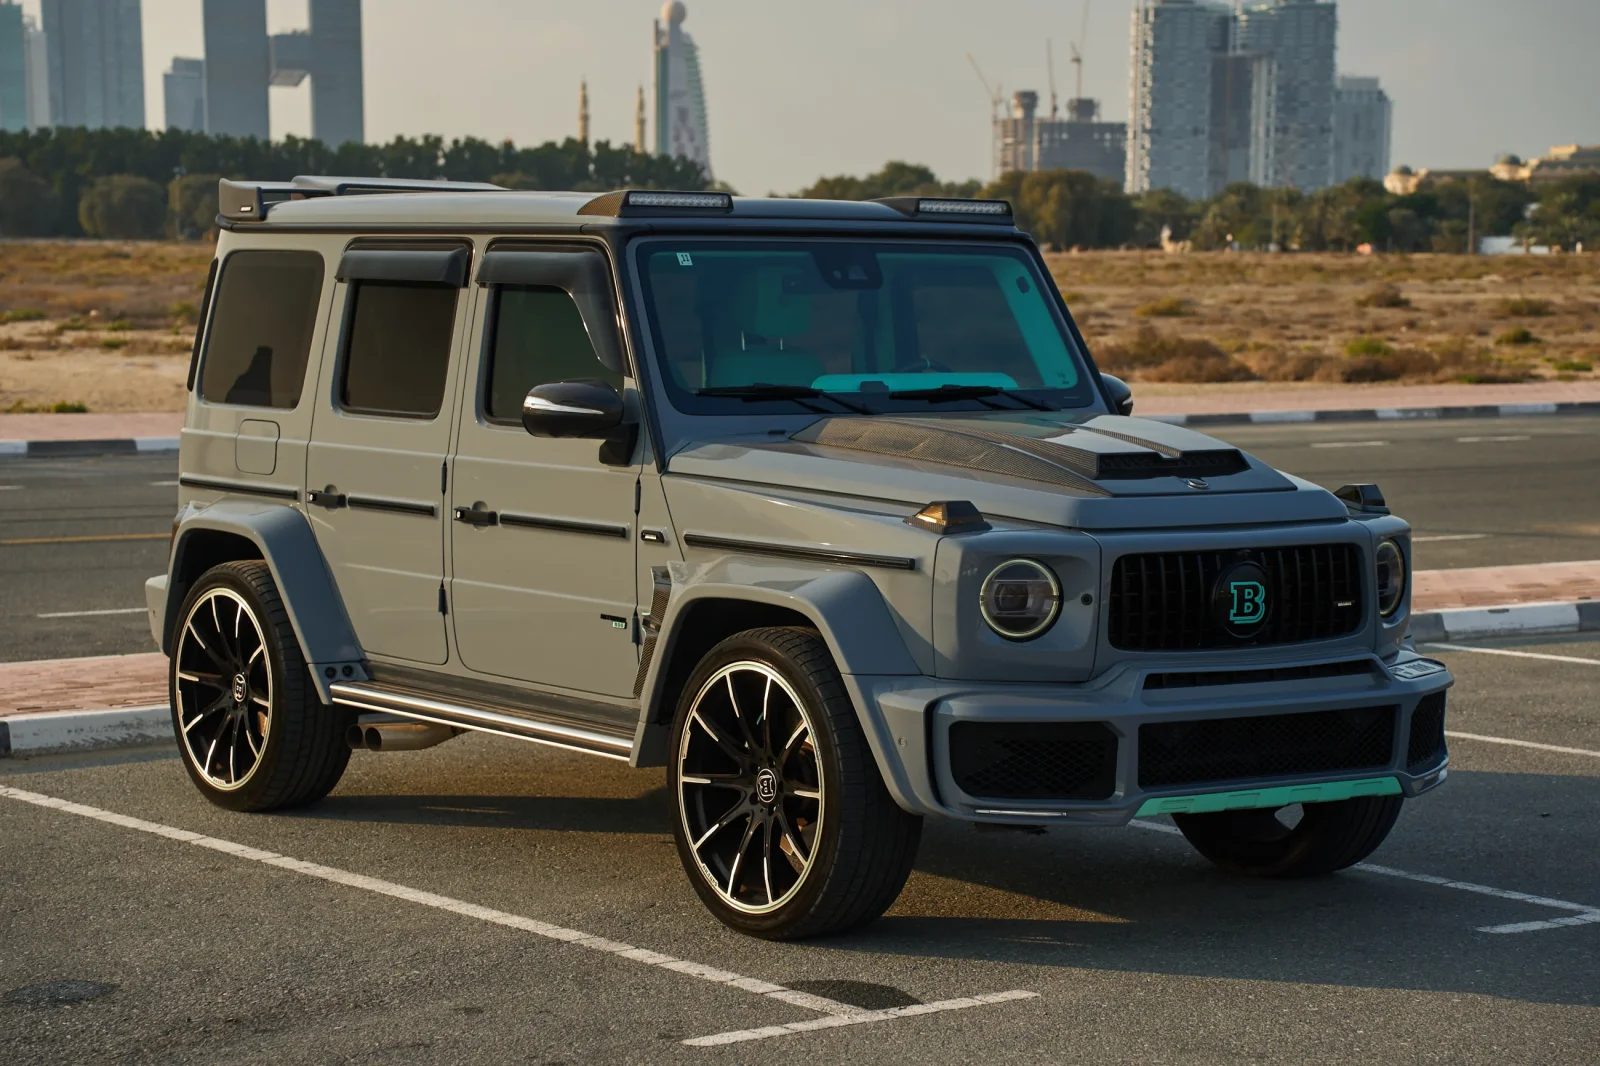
(685,259)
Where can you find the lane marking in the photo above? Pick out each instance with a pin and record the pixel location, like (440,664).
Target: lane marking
(1583,913)
(765,989)
(835,1021)
(164,484)
(1490,440)
(1516,654)
(1350,444)
(1450,536)
(10,488)
(86,614)
(1521,743)
(87,540)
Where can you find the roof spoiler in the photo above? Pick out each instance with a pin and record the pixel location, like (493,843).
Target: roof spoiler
(249,201)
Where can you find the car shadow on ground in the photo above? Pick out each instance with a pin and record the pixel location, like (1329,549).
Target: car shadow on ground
(647,813)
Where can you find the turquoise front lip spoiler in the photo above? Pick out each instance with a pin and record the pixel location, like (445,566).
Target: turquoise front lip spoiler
(1270,797)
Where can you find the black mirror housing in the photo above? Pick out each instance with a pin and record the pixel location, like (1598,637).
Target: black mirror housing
(584,408)
(1121,396)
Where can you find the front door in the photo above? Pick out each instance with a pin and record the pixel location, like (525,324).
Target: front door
(375,468)
(542,546)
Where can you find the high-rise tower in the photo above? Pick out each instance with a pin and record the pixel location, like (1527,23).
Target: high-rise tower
(241,61)
(639,144)
(583,113)
(1301,36)
(1362,116)
(183,89)
(680,95)
(238,68)
(95,54)
(13,68)
(1169,98)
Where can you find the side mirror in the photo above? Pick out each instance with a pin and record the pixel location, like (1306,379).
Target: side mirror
(1121,396)
(584,408)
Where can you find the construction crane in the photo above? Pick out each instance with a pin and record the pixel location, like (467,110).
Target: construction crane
(1077,50)
(1050,66)
(997,96)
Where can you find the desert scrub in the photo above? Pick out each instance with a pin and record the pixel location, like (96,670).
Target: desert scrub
(1153,356)
(1166,307)
(121,325)
(1573,366)
(60,407)
(1517,335)
(1382,296)
(1523,307)
(21,314)
(1367,346)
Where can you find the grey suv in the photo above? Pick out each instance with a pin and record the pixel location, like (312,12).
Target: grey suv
(822,506)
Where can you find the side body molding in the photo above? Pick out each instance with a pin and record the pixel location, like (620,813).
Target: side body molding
(285,541)
(844,606)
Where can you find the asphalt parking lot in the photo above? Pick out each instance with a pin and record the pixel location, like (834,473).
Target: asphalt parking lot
(79,536)
(445,905)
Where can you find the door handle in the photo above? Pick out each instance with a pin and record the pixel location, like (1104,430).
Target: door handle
(477,515)
(328,497)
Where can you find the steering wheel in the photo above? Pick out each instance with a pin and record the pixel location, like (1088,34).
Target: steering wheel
(922,366)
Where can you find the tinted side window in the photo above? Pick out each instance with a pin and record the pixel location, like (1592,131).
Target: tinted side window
(398,348)
(260,335)
(539,337)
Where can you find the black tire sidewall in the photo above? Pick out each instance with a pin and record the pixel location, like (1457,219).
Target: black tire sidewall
(776,923)
(249,795)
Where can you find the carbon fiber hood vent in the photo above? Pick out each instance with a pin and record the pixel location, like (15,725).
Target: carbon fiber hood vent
(1038,451)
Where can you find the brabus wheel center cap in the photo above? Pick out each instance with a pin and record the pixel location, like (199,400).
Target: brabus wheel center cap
(766,786)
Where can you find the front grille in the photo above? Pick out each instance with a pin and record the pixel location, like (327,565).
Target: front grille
(1271,745)
(1163,601)
(1034,761)
(1426,747)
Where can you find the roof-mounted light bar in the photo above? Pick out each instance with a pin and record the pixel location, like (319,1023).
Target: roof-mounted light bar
(249,201)
(949,208)
(634,202)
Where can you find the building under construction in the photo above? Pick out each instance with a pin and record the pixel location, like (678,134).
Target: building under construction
(1024,140)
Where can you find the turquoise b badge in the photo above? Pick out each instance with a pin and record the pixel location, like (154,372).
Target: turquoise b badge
(1249,603)
(1239,604)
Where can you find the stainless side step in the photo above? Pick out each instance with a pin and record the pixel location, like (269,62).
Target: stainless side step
(366,697)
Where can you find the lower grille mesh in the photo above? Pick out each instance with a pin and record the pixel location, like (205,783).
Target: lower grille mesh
(1426,747)
(1271,745)
(1028,761)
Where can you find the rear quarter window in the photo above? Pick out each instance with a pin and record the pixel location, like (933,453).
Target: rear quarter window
(259,339)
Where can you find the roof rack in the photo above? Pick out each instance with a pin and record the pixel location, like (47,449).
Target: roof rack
(249,201)
(949,208)
(630,202)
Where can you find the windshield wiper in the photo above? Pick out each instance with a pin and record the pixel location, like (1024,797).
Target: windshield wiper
(946,393)
(797,393)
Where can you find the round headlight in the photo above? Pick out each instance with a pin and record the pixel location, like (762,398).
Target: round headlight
(1020,599)
(1391,567)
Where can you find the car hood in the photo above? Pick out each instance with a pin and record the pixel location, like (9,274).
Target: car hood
(1090,471)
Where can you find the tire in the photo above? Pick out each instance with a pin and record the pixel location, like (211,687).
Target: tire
(253,734)
(1328,837)
(792,791)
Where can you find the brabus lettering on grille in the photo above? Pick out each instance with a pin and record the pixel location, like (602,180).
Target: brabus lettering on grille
(1249,602)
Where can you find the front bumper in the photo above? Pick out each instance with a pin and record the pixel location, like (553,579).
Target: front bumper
(910,722)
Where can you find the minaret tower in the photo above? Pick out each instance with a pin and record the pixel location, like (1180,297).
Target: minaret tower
(638,124)
(583,112)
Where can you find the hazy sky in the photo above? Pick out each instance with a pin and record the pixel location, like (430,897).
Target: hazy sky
(801,89)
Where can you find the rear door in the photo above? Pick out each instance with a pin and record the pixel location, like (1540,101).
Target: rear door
(542,548)
(376,465)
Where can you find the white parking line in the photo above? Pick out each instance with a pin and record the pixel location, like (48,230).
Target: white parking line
(86,614)
(1583,913)
(163,484)
(1350,444)
(1449,536)
(1516,654)
(10,488)
(837,1013)
(1490,440)
(1521,743)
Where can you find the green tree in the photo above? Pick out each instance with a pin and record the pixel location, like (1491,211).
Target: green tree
(1568,214)
(192,205)
(1163,209)
(123,206)
(895,179)
(1067,208)
(27,204)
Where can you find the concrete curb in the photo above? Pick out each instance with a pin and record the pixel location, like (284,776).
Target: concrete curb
(38,449)
(58,731)
(1511,620)
(1379,414)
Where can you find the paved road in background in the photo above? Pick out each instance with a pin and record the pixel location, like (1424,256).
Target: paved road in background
(1480,492)
(1138,951)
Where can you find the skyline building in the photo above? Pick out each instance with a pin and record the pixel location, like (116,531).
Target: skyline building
(242,61)
(1362,121)
(95,60)
(238,68)
(13,68)
(183,93)
(37,65)
(1025,140)
(1302,38)
(1170,93)
(681,128)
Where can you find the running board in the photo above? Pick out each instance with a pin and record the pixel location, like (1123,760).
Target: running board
(468,716)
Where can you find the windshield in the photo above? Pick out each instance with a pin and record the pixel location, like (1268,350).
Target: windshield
(829,326)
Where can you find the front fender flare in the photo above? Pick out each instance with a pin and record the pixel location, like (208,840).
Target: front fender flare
(286,542)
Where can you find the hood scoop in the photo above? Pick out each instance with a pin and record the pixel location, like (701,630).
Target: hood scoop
(972,444)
